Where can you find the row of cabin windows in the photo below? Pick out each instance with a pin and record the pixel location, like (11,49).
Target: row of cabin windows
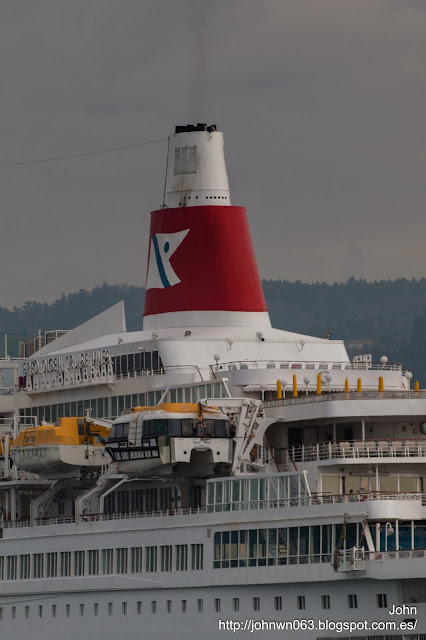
(281,546)
(114,406)
(39,611)
(173,427)
(93,562)
(129,363)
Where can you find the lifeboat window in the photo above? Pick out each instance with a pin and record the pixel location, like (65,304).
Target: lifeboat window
(119,430)
(161,426)
(80,424)
(58,422)
(174,427)
(209,427)
(187,427)
(148,428)
(221,428)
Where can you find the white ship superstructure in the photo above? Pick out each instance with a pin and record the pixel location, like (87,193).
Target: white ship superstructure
(208,468)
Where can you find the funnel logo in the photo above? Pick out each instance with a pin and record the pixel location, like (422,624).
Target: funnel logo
(161,274)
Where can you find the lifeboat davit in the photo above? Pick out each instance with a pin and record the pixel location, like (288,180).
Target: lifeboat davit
(171,438)
(68,448)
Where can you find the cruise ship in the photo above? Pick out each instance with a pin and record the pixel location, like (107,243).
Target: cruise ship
(209,475)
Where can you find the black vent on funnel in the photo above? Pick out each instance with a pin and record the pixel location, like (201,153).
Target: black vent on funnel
(200,126)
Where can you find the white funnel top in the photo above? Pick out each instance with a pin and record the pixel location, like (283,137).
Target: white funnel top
(196,169)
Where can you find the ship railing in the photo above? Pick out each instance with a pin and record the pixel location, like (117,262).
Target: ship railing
(342,396)
(400,553)
(361,496)
(312,365)
(315,499)
(190,369)
(404,448)
(101,517)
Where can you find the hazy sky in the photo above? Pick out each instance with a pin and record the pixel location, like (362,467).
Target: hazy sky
(322,103)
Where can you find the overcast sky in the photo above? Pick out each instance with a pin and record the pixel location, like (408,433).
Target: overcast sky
(323,107)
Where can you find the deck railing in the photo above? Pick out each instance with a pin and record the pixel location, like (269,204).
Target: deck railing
(312,365)
(341,396)
(314,500)
(358,449)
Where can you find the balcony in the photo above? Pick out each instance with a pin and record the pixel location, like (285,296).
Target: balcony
(358,449)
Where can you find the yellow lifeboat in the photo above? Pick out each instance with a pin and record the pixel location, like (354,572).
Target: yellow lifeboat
(188,439)
(63,449)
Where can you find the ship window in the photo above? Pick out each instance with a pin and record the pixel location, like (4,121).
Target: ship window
(256,603)
(67,610)
(124,364)
(121,560)
(161,427)
(148,428)
(278,603)
(58,422)
(81,609)
(12,567)
(154,606)
(155,360)
(24,570)
(139,607)
(166,557)
(95,609)
(151,559)
(93,560)
(174,428)
(325,602)
(136,560)
(148,360)
(52,564)
(65,563)
(301,602)
(187,427)
(13,613)
(27,612)
(79,563)
(184,606)
(124,608)
(38,565)
(181,557)
(1,613)
(200,605)
(236,604)
(208,428)
(169,606)
(352,601)
(221,428)
(196,557)
(110,608)
(382,600)
(53,610)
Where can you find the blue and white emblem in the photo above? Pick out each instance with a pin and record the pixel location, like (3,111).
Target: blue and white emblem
(161,274)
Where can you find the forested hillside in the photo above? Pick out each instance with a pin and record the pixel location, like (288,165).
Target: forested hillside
(382,318)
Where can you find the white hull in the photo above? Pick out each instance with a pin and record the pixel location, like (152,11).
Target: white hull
(114,611)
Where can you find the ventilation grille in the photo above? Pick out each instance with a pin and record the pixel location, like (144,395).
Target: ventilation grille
(185,160)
